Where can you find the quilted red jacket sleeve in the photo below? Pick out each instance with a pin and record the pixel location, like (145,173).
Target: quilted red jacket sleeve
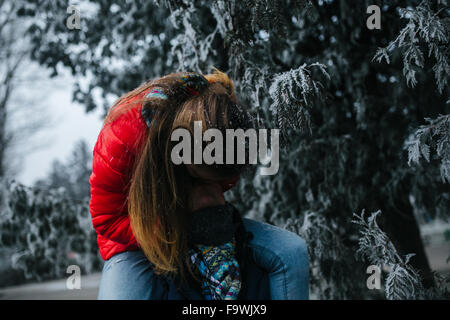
(113,159)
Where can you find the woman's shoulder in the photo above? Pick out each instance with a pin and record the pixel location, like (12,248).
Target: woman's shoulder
(128,128)
(120,140)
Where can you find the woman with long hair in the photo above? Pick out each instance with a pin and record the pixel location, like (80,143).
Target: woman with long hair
(165,230)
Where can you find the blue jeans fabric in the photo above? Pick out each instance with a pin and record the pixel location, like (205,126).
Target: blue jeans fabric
(282,254)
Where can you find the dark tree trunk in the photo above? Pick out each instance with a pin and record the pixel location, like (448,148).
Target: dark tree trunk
(401,226)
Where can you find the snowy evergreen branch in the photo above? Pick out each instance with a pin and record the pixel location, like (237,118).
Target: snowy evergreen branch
(424,28)
(402,282)
(292,93)
(434,135)
(187,47)
(330,259)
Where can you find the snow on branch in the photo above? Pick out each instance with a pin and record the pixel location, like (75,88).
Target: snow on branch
(424,28)
(292,93)
(403,281)
(434,135)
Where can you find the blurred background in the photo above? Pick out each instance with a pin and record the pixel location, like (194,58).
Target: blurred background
(365,118)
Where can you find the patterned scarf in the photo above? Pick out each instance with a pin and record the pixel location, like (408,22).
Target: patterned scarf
(219,269)
(213,251)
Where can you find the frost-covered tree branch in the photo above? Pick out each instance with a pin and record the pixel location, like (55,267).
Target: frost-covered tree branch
(292,92)
(326,256)
(425,28)
(403,282)
(434,135)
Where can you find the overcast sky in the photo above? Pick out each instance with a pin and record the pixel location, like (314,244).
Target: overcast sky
(68,124)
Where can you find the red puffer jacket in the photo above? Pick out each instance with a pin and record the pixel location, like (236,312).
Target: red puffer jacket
(118,144)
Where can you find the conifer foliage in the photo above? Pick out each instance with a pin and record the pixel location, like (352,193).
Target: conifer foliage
(48,230)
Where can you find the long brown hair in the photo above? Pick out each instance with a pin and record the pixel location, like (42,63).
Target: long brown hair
(158,193)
